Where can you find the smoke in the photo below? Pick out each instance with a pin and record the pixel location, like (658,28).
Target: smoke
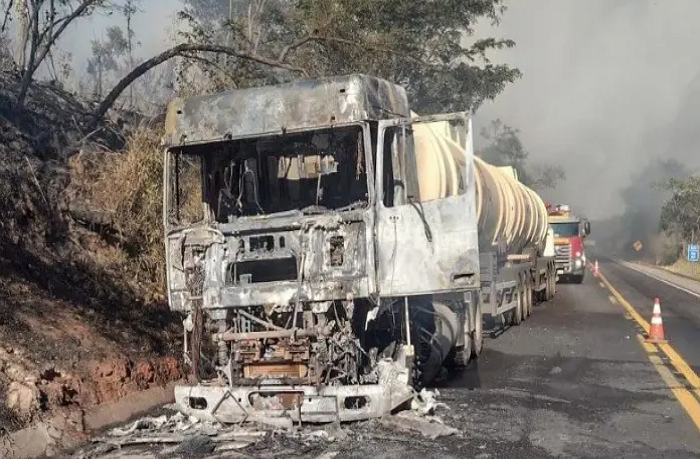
(153,27)
(608,88)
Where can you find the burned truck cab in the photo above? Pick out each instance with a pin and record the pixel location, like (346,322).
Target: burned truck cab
(273,249)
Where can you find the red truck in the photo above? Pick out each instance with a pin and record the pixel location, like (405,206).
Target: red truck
(569,232)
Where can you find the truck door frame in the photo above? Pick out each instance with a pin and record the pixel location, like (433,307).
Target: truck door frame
(425,247)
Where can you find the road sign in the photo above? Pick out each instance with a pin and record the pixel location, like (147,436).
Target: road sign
(693,253)
(638,246)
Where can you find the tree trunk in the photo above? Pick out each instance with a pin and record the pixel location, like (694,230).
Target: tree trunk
(32,65)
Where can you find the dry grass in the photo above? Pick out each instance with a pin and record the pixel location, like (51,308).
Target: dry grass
(685,268)
(127,187)
(665,248)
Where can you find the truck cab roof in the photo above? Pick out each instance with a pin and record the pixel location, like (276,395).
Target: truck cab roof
(299,105)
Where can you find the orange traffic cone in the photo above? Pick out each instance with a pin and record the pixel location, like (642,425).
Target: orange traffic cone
(595,269)
(656,331)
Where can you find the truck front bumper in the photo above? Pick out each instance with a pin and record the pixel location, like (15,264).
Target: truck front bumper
(572,268)
(300,403)
(297,403)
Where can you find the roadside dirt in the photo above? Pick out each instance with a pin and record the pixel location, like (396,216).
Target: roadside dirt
(76,330)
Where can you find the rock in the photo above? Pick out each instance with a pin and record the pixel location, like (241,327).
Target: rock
(22,398)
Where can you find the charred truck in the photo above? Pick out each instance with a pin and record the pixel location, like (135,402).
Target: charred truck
(331,251)
(569,232)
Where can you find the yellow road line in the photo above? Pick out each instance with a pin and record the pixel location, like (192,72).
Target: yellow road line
(676,360)
(689,403)
(650,348)
(602,285)
(635,315)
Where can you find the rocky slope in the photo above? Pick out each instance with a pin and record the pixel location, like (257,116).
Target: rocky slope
(75,329)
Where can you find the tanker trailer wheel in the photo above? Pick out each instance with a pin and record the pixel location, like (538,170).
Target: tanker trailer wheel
(528,297)
(516,314)
(549,290)
(478,333)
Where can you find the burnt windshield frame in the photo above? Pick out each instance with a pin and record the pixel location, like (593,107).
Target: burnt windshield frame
(171,190)
(208,151)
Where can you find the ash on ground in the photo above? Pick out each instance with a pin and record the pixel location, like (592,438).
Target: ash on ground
(174,435)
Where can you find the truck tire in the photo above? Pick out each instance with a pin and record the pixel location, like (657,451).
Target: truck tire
(517,313)
(551,285)
(528,298)
(478,333)
(462,355)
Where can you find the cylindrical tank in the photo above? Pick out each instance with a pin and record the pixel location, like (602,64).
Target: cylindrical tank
(507,210)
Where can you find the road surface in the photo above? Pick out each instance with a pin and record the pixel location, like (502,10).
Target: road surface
(574,380)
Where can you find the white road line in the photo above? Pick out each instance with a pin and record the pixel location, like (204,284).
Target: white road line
(639,270)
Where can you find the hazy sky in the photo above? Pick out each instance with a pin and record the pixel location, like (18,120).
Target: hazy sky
(604,83)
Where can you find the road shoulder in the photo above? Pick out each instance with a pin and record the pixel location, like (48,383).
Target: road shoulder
(683,283)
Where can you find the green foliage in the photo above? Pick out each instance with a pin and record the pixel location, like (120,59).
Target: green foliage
(419,45)
(505,148)
(680,214)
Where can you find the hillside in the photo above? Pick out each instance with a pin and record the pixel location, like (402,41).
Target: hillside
(76,329)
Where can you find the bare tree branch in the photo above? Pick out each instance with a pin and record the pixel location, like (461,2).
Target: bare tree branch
(182,50)
(42,42)
(10,4)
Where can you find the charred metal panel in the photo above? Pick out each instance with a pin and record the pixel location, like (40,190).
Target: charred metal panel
(302,105)
(321,258)
(429,247)
(301,403)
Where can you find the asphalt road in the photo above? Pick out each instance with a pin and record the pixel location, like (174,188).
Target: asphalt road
(573,380)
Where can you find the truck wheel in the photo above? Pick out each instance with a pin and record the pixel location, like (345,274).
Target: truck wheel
(548,292)
(528,298)
(462,355)
(518,311)
(478,333)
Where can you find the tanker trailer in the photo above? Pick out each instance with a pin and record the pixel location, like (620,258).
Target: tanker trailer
(516,251)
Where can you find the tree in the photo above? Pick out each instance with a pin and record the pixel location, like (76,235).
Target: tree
(130,8)
(42,22)
(416,44)
(105,57)
(505,148)
(545,176)
(643,199)
(680,214)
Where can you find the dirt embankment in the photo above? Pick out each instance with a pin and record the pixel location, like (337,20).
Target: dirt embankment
(76,328)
